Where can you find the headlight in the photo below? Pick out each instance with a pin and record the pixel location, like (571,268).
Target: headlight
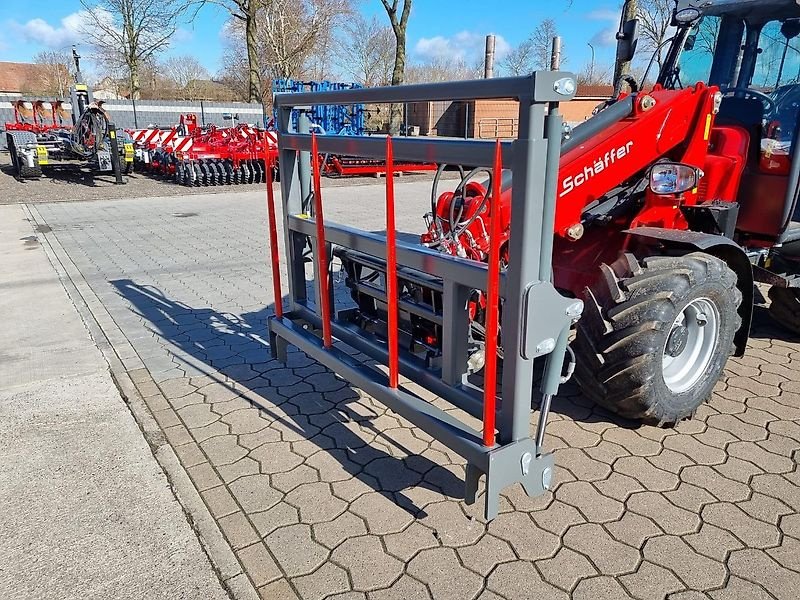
(673,178)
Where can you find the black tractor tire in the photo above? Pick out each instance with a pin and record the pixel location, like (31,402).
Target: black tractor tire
(630,329)
(785,307)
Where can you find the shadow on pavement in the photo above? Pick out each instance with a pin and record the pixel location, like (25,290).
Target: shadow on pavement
(227,344)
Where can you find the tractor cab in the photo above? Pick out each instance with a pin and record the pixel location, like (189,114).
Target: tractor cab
(750,49)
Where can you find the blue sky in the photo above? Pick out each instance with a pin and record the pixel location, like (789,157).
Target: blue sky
(437,28)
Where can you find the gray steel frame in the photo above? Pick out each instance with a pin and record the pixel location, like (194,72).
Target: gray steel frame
(536,318)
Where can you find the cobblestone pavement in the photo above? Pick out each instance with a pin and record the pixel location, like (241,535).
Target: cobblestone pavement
(323,493)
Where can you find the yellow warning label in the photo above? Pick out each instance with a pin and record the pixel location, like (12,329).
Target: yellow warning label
(128,152)
(708,128)
(81,87)
(113,134)
(41,155)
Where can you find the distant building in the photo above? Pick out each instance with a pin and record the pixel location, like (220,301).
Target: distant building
(31,79)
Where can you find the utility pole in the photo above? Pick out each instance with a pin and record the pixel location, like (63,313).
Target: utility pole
(622,66)
(591,64)
(555,56)
(488,62)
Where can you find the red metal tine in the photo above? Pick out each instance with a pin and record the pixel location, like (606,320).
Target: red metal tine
(391,267)
(492,303)
(322,251)
(273,237)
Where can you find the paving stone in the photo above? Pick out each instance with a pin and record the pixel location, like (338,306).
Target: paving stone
(695,571)
(574,435)
(737,427)
(369,565)
(604,587)
(633,529)
(736,588)
(521,580)
(350,489)
(252,441)
(651,581)
(566,568)
(316,502)
(278,589)
(644,472)
(214,430)
(254,493)
(286,482)
(451,525)
(345,526)
(259,564)
(190,455)
(275,458)
(404,588)
(764,508)
(245,421)
(223,450)
(596,507)
(787,554)
(483,556)
(188,400)
(381,514)
(629,439)
(296,553)
(670,518)
(408,543)
(529,541)
(753,533)
(581,465)
(328,579)
(699,453)
(778,487)
(690,497)
(737,469)
(608,555)
(618,486)
(166,418)
(767,461)
(440,569)
(238,530)
(710,479)
(280,515)
(242,467)
(607,452)
(713,542)
(758,567)
(219,501)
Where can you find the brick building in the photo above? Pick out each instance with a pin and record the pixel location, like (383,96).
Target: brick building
(490,119)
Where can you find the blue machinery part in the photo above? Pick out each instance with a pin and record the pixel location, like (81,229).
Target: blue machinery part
(333,119)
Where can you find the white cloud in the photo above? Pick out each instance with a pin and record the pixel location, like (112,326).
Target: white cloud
(464,46)
(605,37)
(38,31)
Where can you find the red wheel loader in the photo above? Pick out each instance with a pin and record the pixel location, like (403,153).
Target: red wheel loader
(671,202)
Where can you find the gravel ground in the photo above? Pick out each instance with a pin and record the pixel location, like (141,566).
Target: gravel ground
(75,184)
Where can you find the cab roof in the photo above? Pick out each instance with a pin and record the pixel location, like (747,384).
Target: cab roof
(751,10)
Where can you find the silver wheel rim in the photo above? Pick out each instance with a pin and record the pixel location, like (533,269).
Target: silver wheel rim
(690,345)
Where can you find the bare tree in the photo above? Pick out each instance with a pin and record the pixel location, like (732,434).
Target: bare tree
(55,75)
(399,24)
(366,51)
(535,52)
(655,18)
(186,73)
(246,12)
(129,32)
(597,74)
(441,69)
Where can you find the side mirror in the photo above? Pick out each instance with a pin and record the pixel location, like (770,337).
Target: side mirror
(627,39)
(691,40)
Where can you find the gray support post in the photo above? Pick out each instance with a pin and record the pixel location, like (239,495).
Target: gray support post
(135,116)
(202,114)
(304,167)
(527,206)
(455,329)
(292,201)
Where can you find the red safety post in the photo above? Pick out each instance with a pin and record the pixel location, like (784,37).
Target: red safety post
(322,251)
(273,237)
(492,303)
(391,268)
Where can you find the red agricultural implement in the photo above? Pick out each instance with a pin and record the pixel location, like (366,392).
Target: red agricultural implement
(350,166)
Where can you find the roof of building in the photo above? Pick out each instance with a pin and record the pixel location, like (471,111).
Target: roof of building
(17,77)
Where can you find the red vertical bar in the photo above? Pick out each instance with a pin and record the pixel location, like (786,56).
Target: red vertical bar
(492,303)
(322,251)
(273,237)
(391,267)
